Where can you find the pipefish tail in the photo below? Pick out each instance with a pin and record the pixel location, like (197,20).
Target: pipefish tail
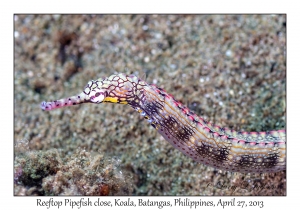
(212,145)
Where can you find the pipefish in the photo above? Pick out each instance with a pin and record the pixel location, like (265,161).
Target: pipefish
(212,145)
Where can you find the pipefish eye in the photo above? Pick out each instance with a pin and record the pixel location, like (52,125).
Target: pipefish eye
(98,97)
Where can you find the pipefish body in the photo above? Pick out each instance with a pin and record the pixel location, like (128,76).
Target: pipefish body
(212,145)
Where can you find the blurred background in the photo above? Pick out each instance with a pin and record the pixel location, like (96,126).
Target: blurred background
(229,69)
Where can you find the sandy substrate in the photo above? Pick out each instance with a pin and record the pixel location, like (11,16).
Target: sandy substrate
(229,69)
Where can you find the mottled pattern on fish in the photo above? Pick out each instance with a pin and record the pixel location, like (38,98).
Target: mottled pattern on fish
(204,142)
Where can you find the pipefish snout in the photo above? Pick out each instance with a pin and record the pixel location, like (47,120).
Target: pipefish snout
(212,145)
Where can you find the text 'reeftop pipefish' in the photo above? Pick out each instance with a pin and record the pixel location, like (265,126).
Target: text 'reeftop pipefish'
(212,145)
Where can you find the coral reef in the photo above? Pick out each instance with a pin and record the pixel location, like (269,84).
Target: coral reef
(45,173)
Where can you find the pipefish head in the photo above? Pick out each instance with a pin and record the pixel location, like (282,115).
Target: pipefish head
(114,89)
(118,88)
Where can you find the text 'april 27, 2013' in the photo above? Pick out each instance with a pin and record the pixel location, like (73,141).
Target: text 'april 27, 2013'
(191,203)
